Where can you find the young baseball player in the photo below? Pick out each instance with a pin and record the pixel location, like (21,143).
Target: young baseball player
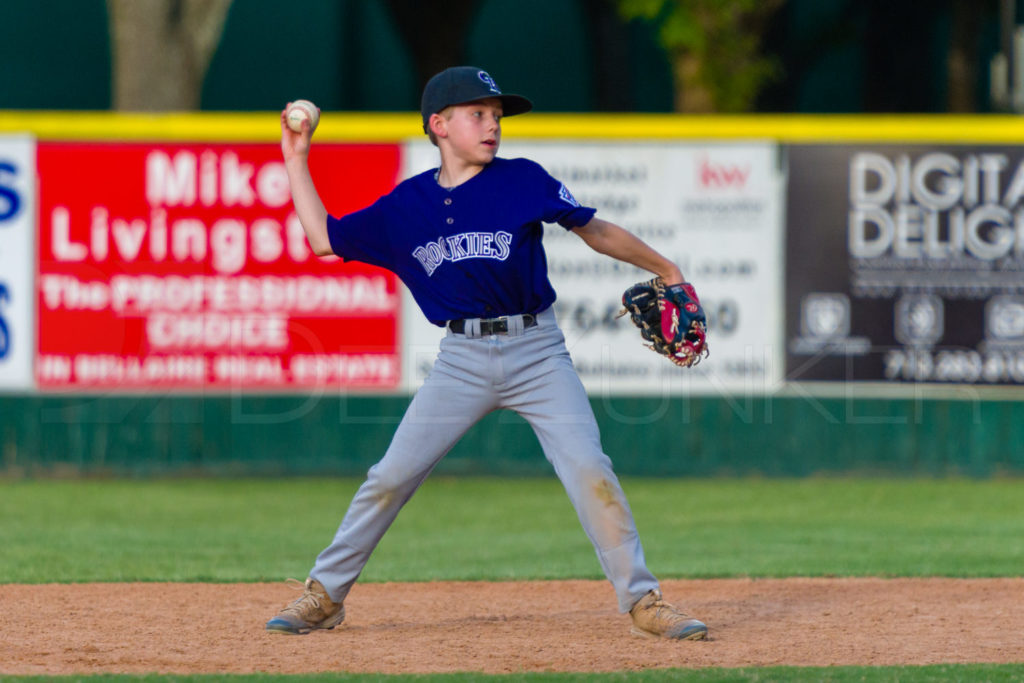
(466,240)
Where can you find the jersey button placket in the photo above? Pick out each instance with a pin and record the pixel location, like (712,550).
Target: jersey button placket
(448,203)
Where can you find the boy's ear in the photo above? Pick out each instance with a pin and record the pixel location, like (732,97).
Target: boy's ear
(438,125)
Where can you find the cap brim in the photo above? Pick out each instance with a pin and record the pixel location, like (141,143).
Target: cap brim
(510,104)
(514,104)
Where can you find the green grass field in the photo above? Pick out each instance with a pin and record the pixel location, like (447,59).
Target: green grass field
(495,529)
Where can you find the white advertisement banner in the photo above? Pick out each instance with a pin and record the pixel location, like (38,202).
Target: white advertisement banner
(17,259)
(715,209)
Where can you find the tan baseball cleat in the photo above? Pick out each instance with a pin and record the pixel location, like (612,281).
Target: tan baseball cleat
(312,610)
(655,618)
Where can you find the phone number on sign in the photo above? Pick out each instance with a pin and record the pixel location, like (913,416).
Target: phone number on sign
(963,366)
(723,317)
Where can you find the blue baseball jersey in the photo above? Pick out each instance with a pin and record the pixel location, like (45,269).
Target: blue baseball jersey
(472,251)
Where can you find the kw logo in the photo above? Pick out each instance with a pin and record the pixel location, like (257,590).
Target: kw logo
(721,175)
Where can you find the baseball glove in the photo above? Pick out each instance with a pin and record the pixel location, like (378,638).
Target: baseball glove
(670,318)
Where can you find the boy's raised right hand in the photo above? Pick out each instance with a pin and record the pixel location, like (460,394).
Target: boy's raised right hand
(294,145)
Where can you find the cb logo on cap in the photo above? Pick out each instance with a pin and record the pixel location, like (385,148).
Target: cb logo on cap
(486,78)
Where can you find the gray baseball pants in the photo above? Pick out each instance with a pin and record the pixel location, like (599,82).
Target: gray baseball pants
(528,371)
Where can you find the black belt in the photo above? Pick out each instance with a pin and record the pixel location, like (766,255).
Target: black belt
(491,325)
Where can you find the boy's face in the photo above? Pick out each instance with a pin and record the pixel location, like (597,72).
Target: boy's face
(473,131)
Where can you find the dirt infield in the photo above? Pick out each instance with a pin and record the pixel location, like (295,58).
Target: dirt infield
(507,627)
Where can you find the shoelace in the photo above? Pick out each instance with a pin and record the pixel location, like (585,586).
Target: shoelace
(307,596)
(660,605)
(673,612)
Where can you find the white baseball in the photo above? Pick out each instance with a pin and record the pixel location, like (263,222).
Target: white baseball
(299,111)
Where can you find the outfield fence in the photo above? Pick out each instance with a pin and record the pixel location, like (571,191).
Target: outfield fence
(863,277)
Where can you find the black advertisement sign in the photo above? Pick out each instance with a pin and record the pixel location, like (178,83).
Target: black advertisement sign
(905,264)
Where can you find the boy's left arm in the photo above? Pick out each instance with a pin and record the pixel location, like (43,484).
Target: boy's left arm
(607,238)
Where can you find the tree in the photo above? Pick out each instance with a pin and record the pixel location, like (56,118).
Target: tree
(609,55)
(901,65)
(436,38)
(161,51)
(965,66)
(714,47)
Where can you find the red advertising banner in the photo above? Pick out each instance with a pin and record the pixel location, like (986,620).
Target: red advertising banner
(184,266)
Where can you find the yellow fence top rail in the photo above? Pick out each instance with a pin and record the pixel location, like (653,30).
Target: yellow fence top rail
(393,127)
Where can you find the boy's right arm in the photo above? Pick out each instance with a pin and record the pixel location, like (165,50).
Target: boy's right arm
(308,205)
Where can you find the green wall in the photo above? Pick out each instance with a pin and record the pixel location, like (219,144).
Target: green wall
(304,435)
(55,55)
(342,54)
(833,56)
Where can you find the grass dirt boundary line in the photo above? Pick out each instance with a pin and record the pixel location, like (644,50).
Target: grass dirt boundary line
(504,627)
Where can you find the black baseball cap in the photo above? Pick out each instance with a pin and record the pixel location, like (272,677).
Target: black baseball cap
(462,84)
